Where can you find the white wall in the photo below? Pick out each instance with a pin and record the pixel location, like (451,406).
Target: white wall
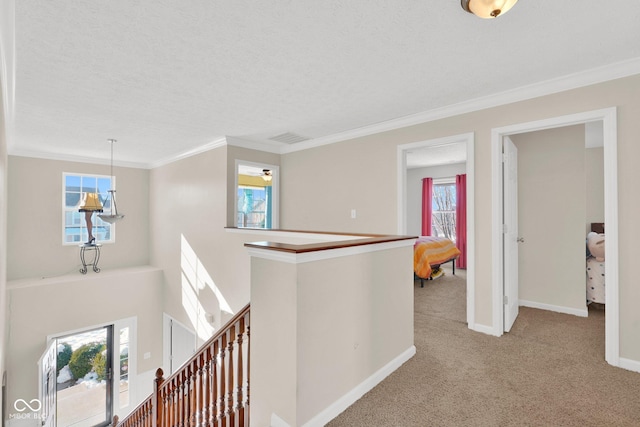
(206,268)
(551,215)
(322,329)
(47,294)
(362,174)
(594,186)
(321,186)
(201,267)
(49,307)
(414,191)
(35,218)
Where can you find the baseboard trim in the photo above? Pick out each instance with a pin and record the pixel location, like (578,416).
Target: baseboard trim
(337,407)
(629,365)
(489,330)
(557,308)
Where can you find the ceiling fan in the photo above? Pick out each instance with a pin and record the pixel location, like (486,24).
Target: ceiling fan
(266,174)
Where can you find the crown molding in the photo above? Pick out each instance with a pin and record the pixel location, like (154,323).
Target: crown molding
(8,65)
(216,143)
(561,84)
(523,93)
(75,158)
(220,142)
(548,87)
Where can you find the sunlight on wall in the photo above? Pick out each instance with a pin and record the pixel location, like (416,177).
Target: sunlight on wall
(202,300)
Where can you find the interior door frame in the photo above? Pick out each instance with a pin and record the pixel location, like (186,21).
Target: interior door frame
(402,150)
(111,401)
(167,331)
(47,385)
(510,232)
(609,118)
(132,323)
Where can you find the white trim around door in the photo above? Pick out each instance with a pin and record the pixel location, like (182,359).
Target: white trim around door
(469,139)
(609,118)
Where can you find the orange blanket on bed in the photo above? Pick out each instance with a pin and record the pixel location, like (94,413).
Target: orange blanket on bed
(430,251)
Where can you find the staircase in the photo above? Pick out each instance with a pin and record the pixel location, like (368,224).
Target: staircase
(210,389)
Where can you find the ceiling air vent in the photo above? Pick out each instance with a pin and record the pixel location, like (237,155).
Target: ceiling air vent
(289,138)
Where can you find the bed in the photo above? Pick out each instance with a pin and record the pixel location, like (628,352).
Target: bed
(595,264)
(429,252)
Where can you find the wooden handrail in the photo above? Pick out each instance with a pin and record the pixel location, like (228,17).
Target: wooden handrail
(324,246)
(211,388)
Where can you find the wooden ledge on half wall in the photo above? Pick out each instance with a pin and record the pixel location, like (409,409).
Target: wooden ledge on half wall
(359,239)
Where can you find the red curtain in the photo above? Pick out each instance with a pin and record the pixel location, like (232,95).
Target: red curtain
(461,219)
(427,195)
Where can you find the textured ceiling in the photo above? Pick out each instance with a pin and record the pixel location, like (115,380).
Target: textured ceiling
(165,77)
(437,155)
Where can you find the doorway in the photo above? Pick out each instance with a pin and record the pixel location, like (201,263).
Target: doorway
(98,359)
(608,118)
(179,344)
(81,364)
(403,203)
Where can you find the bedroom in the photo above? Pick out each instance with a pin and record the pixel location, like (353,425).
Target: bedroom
(443,164)
(563,287)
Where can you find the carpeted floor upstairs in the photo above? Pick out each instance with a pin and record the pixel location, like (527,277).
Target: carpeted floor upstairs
(548,371)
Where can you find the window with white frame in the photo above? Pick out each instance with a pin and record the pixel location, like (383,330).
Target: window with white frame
(443,216)
(75,186)
(256,195)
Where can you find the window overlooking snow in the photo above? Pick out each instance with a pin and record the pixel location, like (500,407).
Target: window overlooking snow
(444,210)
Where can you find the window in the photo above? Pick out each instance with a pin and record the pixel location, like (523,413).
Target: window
(123,385)
(74,225)
(256,196)
(443,218)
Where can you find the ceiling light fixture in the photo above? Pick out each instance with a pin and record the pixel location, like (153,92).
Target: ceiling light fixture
(113,216)
(487,9)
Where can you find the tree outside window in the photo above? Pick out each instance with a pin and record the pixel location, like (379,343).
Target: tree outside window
(443,218)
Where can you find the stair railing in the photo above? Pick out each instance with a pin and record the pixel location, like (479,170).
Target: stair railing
(210,389)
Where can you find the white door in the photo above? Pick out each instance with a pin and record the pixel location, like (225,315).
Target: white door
(183,345)
(47,385)
(510,232)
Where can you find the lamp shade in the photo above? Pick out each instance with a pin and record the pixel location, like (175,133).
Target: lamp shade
(487,8)
(90,203)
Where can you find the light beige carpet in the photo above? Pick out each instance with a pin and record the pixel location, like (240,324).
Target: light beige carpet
(548,371)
